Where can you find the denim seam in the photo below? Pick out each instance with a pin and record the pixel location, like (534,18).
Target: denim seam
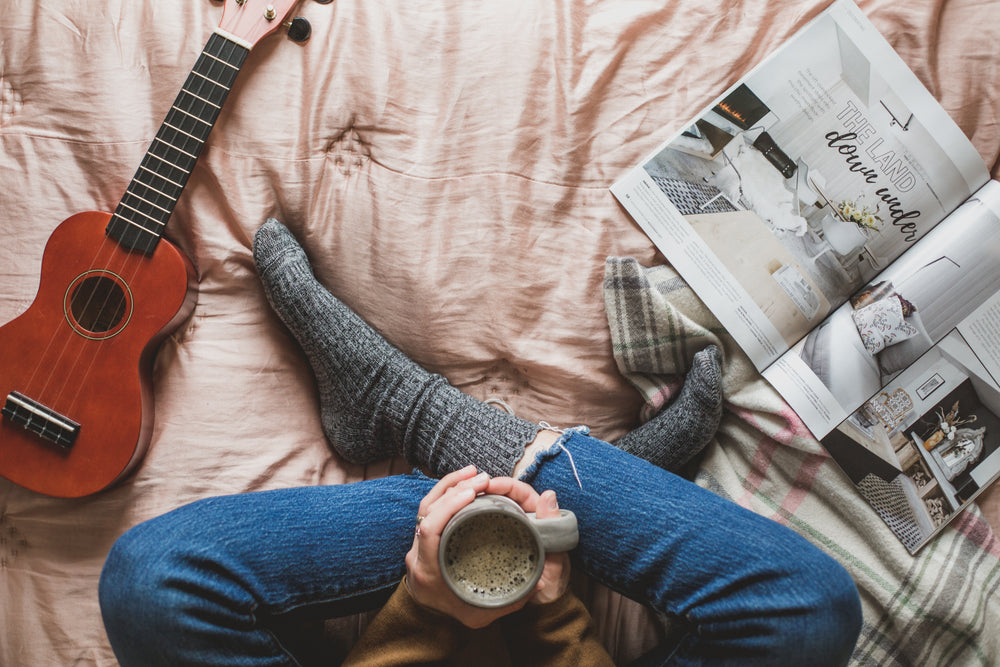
(294,604)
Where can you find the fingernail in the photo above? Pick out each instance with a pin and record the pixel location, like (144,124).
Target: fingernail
(481,477)
(469,468)
(553,503)
(466,494)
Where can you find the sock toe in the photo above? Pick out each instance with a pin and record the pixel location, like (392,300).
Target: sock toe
(705,378)
(683,429)
(274,244)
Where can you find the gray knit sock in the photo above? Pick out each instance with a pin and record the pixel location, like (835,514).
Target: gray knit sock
(375,402)
(679,432)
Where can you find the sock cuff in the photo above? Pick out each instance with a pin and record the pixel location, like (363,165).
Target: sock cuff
(450,430)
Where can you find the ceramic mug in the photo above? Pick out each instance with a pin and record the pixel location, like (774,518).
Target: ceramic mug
(492,552)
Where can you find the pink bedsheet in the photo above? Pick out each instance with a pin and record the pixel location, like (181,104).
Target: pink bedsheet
(447,168)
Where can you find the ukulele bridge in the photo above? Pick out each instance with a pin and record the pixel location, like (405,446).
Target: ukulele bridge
(43,421)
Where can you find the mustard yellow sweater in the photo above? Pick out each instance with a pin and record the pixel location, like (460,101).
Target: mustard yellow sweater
(404,633)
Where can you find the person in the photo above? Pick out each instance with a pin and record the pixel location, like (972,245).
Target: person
(424,623)
(216,581)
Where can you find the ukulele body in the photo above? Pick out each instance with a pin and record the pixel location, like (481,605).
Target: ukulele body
(82,354)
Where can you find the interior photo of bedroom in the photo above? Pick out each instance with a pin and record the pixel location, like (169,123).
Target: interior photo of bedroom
(924,294)
(926,445)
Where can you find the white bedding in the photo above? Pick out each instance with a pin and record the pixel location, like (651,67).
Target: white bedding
(836,353)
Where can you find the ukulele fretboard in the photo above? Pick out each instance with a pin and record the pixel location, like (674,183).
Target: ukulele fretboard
(141,216)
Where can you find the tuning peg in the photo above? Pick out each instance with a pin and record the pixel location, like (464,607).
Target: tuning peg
(299,29)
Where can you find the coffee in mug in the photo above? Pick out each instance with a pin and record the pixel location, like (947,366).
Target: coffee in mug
(492,552)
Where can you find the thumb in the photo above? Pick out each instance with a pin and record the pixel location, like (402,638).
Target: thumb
(547,506)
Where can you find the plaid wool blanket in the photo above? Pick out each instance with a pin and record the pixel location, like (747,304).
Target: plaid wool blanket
(939,607)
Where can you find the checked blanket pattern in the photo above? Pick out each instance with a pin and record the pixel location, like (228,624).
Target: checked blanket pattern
(939,607)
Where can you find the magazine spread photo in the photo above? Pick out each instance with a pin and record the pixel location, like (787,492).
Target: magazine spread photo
(846,233)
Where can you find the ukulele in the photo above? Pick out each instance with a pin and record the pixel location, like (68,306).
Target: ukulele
(76,366)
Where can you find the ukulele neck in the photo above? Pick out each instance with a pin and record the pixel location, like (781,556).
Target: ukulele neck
(141,216)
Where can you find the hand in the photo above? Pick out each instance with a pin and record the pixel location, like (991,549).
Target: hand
(423,572)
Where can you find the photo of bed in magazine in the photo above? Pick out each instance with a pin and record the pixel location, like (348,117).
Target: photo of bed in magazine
(846,233)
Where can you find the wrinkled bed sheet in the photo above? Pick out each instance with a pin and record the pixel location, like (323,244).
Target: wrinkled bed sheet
(446,165)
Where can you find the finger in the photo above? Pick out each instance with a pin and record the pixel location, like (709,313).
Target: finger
(456,480)
(446,482)
(438,515)
(445,507)
(547,506)
(554,580)
(555,575)
(516,490)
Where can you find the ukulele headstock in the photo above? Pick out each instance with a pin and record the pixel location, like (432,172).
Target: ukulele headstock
(249,21)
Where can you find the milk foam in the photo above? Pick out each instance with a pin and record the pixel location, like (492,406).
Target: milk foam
(491,556)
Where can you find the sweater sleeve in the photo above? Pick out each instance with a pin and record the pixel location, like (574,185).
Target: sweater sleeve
(558,633)
(404,633)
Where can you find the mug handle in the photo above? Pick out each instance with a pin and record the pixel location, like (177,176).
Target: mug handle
(558,533)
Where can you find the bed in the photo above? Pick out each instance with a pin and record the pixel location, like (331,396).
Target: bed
(852,366)
(447,166)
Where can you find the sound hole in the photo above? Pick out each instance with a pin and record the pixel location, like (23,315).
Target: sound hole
(98,304)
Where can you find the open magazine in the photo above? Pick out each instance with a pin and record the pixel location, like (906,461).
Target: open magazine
(847,234)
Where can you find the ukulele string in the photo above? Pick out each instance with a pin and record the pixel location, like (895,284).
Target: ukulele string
(104,261)
(54,359)
(200,88)
(53,364)
(107,310)
(123,264)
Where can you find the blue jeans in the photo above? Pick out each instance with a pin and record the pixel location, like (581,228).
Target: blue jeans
(208,583)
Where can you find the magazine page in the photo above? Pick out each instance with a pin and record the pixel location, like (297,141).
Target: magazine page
(926,445)
(802,182)
(888,324)
(908,402)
